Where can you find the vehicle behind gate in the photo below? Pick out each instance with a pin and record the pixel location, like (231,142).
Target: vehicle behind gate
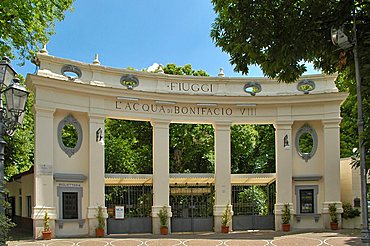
(192,208)
(129,209)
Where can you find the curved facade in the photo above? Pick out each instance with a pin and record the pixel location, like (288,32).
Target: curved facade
(96,92)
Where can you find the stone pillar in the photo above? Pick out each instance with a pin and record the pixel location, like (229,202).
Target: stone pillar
(43,170)
(331,168)
(161,176)
(222,172)
(96,182)
(284,169)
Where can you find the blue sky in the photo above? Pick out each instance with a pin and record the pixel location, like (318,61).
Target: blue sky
(138,33)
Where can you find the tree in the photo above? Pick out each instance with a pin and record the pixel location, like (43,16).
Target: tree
(128,146)
(26,25)
(281,35)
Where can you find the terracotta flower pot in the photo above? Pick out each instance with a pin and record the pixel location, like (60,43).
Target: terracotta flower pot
(46,235)
(224,229)
(164,230)
(99,232)
(334,225)
(286,227)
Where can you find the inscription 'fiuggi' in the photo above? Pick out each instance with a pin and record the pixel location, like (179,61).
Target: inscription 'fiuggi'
(190,87)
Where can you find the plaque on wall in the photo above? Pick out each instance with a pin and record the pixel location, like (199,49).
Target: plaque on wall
(119,212)
(43,169)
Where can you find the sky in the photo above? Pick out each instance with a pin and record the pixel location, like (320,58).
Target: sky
(139,33)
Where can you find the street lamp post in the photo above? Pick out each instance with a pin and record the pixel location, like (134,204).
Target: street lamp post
(11,115)
(360,125)
(340,39)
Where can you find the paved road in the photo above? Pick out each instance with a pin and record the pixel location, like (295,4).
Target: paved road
(341,237)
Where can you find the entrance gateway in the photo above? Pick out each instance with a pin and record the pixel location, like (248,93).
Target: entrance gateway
(71,181)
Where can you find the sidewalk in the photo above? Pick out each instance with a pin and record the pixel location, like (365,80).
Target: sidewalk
(255,238)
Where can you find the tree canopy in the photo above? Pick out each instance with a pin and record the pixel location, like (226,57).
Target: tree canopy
(280,36)
(26,25)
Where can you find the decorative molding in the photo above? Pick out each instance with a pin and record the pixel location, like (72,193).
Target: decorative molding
(130,81)
(69,177)
(306,128)
(70,120)
(252,88)
(315,189)
(307,178)
(71,69)
(306,86)
(79,190)
(61,222)
(300,216)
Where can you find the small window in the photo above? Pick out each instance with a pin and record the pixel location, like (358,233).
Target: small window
(70,205)
(307,201)
(29,206)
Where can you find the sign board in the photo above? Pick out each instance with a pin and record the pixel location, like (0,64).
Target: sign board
(368,176)
(43,169)
(119,212)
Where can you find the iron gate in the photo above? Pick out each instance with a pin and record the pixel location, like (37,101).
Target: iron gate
(192,208)
(253,207)
(137,202)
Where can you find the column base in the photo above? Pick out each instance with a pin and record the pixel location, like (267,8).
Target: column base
(156,224)
(218,212)
(92,221)
(278,213)
(38,214)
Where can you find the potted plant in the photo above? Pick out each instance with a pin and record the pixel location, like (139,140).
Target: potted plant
(99,231)
(333,216)
(226,219)
(285,217)
(46,233)
(163,219)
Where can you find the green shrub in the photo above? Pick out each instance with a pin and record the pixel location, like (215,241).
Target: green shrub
(349,212)
(285,216)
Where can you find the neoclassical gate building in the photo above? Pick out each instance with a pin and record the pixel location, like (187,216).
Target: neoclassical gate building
(71,180)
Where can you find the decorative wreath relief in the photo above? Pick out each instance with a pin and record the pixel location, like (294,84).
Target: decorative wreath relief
(306,86)
(130,81)
(69,135)
(252,88)
(306,142)
(71,72)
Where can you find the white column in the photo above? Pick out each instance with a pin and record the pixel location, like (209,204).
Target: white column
(161,176)
(331,167)
(284,169)
(222,171)
(43,169)
(96,182)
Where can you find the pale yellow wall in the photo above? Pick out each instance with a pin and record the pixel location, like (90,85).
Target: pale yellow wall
(349,181)
(25,184)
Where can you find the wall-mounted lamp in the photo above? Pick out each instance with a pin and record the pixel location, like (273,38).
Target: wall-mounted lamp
(99,135)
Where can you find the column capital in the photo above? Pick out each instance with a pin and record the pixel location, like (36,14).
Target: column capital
(43,111)
(283,125)
(222,125)
(160,123)
(96,118)
(331,123)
